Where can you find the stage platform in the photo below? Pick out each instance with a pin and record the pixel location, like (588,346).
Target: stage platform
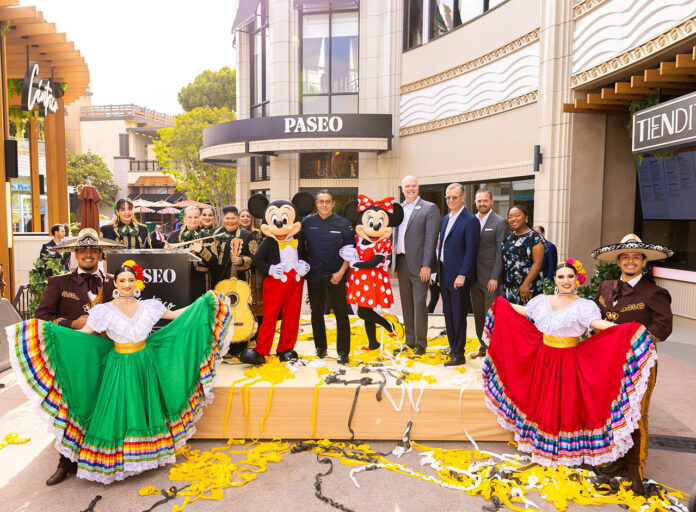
(283,401)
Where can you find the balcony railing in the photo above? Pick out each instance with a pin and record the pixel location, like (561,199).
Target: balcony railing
(144,165)
(120,111)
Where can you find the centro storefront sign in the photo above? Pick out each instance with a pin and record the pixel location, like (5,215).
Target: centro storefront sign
(313,124)
(38,91)
(671,124)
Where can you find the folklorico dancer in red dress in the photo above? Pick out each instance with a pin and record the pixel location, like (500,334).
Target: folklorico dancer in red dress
(368,281)
(568,401)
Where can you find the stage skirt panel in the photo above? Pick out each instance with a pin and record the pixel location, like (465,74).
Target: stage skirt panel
(120,413)
(572,405)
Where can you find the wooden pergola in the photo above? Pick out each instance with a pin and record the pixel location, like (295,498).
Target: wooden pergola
(27,36)
(672,78)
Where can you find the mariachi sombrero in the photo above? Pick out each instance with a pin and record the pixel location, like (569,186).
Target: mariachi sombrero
(88,239)
(632,243)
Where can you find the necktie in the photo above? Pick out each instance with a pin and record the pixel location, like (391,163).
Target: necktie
(89,283)
(291,243)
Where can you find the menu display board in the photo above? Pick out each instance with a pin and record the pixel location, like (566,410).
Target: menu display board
(668,187)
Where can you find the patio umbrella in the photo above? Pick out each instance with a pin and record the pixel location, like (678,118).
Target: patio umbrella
(170,210)
(191,202)
(90,197)
(141,210)
(162,204)
(142,202)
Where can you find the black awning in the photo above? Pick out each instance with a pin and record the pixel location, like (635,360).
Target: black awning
(245,14)
(309,5)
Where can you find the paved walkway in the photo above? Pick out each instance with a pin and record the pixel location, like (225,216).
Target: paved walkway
(288,485)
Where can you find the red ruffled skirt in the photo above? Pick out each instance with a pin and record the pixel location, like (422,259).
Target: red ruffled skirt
(566,405)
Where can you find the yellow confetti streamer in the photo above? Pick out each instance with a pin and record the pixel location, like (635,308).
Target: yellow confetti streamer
(13,438)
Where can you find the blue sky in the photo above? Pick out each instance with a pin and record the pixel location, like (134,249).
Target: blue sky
(144,51)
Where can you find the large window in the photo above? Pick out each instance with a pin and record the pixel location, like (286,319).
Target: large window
(341,197)
(258,44)
(260,169)
(505,194)
(339,164)
(330,62)
(436,17)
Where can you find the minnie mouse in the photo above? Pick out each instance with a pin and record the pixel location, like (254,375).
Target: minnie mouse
(368,281)
(280,258)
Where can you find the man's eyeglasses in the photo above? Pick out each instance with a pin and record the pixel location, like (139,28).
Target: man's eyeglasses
(451,198)
(324,202)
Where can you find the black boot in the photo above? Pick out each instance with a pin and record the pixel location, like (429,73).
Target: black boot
(635,475)
(65,468)
(251,356)
(288,355)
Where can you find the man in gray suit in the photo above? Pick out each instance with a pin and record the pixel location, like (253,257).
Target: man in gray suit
(489,262)
(414,261)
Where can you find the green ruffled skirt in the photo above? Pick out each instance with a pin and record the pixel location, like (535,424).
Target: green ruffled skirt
(119,414)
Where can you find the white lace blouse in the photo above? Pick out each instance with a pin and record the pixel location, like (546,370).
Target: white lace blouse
(571,320)
(124,329)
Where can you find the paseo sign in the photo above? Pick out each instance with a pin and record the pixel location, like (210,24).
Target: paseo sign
(38,91)
(668,125)
(313,124)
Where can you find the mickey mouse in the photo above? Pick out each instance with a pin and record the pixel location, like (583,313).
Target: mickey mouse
(281,260)
(368,281)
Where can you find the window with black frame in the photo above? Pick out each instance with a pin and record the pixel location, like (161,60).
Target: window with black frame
(330,62)
(338,164)
(437,17)
(260,170)
(258,44)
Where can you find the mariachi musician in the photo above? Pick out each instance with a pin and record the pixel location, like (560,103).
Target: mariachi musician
(220,257)
(208,226)
(125,229)
(188,234)
(635,298)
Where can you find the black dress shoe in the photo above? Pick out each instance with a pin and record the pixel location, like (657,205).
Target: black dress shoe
(342,358)
(65,468)
(288,355)
(321,353)
(456,361)
(251,356)
(419,351)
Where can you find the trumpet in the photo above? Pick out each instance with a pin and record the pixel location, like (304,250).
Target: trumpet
(183,244)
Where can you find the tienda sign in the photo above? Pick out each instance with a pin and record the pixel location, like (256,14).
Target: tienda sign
(38,91)
(669,125)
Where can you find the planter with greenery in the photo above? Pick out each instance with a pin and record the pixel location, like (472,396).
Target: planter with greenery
(44,267)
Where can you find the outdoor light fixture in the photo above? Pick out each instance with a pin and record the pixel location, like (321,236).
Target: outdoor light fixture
(538,157)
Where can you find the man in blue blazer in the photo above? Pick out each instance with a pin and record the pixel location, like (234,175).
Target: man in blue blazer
(459,241)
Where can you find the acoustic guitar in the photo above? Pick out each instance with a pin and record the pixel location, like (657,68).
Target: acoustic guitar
(239,293)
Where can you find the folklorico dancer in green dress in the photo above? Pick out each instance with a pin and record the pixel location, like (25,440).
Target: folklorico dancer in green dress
(121,405)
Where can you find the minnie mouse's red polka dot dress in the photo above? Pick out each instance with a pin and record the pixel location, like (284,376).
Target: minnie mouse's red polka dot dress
(369,287)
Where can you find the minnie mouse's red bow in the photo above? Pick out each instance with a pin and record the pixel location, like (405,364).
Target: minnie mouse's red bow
(365,202)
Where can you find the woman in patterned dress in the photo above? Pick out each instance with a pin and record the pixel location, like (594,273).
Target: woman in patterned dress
(523,254)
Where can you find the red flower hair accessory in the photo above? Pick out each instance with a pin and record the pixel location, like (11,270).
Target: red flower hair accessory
(365,202)
(579,270)
(139,277)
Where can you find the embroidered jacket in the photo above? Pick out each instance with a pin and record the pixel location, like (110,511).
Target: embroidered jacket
(64,301)
(646,303)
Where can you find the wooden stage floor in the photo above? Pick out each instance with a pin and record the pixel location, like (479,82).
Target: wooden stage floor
(279,401)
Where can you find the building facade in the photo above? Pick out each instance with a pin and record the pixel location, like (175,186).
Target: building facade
(123,135)
(525,97)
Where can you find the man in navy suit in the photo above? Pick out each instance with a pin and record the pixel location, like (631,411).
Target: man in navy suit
(459,241)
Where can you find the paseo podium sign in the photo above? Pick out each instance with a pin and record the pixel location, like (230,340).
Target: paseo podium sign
(666,126)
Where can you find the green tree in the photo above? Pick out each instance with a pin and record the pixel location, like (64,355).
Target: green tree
(90,167)
(177,154)
(216,89)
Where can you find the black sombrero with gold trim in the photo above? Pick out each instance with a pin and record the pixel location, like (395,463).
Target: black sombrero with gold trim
(632,243)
